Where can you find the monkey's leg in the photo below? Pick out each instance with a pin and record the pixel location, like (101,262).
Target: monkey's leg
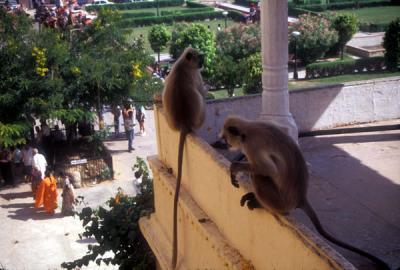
(268,194)
(238,167)
(251,200)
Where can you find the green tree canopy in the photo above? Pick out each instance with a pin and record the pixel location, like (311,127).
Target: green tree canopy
(391,43)
(158,38)
(316,37)
(196,36)
(346,25)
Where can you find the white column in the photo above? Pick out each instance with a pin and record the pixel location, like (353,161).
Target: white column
(274,47)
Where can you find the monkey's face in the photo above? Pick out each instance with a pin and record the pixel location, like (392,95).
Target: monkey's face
(231,134)
(194,58)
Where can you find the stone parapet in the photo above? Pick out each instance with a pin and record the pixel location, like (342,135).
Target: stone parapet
(214,231)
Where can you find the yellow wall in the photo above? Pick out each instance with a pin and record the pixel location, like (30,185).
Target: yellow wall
(252,239)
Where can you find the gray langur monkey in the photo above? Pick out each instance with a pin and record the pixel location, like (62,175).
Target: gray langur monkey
(278,170)
(183,101)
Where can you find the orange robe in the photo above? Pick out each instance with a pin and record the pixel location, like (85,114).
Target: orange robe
(46,194)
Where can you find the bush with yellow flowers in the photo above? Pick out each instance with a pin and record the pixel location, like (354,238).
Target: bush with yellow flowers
(116,227)
(40,59)
(136,71)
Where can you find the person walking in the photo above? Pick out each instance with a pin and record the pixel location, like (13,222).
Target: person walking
(140,116)
(39,162)
(68,195)
(116,111)
(46,194)
(129,124)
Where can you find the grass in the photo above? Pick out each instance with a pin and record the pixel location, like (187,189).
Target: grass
(375,15)
(137,31)
(340,79)
(224,94)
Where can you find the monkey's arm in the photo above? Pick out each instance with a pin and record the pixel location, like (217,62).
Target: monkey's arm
(238,166)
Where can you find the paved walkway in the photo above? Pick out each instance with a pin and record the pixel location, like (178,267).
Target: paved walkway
(31,239)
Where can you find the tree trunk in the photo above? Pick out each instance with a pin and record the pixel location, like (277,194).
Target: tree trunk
(99,109)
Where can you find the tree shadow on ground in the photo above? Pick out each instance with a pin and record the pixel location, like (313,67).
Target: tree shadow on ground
(16,195)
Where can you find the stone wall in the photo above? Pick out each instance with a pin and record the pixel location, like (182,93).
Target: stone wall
(318,107)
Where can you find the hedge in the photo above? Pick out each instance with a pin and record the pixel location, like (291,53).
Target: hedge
(169,19)
(186,11)
(350,66)
(191,4)
(136,15)
(339,5)
(138,5)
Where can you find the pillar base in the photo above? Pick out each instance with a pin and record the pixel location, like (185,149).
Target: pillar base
(285,122)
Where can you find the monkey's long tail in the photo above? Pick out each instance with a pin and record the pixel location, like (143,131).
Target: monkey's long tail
(307,208)
(182,139)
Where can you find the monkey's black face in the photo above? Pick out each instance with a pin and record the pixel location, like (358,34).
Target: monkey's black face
(195,58)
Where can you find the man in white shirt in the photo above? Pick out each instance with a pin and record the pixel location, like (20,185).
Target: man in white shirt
(39,162)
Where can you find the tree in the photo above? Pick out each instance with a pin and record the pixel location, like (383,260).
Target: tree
(252,74)
(103,65)
(234,45)
(346,25)
(158,38)
(28,87)
(196,36)
(239,41)
(391,43)
(316,38)
(226,73)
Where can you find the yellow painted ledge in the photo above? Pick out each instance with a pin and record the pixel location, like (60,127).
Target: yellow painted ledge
(233,237)
(201,245)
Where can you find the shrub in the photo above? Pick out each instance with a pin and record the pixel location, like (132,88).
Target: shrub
(116,228)
(169,19)
(136,15)
(251,73)
(315,40)
(186,11)
(237,16)
(346,25)
(191,4)
(327,69)
(341,5)
(391,43)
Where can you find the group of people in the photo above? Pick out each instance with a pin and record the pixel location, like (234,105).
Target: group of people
(129,115)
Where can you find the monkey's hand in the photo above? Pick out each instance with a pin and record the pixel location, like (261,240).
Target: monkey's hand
(234,171)
(251,201)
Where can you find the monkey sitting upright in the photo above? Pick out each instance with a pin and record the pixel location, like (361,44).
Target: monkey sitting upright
(278,170)
(183,102)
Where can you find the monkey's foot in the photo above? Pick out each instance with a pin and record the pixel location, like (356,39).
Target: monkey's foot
(251,201)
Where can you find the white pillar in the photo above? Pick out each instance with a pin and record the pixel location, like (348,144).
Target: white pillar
(274,47)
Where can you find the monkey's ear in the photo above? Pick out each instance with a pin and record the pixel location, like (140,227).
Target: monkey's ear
(189,56)
(234,131)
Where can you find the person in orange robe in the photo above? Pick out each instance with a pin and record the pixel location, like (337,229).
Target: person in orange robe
(46,194)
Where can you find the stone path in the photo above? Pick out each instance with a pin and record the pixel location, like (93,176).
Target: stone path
(30,239)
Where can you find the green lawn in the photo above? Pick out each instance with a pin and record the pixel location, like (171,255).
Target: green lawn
(376,15)
(137,31)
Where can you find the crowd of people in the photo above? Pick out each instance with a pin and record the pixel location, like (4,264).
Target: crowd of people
(28,163)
